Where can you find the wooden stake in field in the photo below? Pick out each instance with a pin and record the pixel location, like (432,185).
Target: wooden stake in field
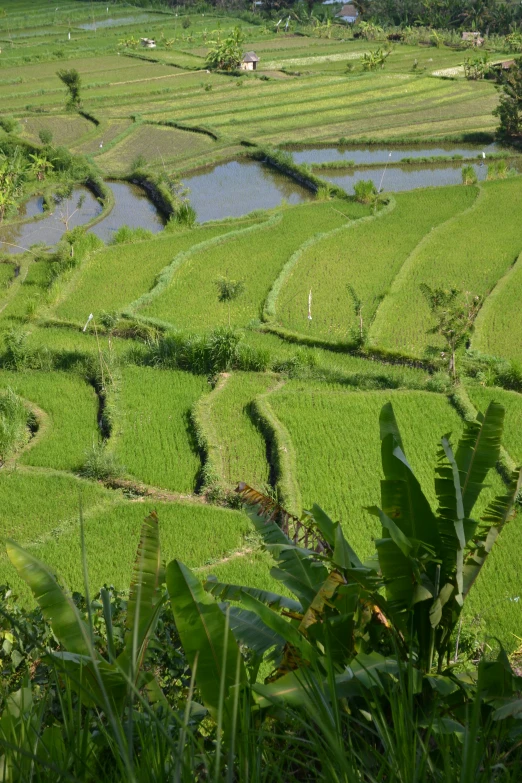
(310,306)
(384,172)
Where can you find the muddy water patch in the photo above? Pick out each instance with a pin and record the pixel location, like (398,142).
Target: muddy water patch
(238,187)
(408,177)
(132,207)
(371,154)
(80,207)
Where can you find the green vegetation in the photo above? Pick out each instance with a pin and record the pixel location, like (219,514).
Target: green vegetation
(256,257)
(157,372)
(153,418)
(13,424)
(67,425)
(461,253)
(366,255)
(37,505)
(201,534)
(229,422)
(383,638)
(497,332)
(116,276)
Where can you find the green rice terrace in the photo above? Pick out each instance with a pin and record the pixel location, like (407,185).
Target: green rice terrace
(211,275)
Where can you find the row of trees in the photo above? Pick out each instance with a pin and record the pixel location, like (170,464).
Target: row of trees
(491,16)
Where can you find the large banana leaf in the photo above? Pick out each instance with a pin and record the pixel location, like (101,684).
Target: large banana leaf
(402,498)
(478,452)
(99,683)
(323,596)
(301,689)
(249,629)
(298,568)
(57,607)
(497,514)
(209,645)
(282,627)
(144,595)
(228,592)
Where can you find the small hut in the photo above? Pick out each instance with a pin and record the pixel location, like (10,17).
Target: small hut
(148,43)
(473,37)
(249,62)
(348,14)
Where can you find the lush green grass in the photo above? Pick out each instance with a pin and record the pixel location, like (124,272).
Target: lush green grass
(72,345)
(197,534)
(498,328)
(30,292)
(366,256)
(256,258)
(481,396)
(71,406)
(153,436)
(470,252)
(116,276)
(336,437)
(6,275)
(242,446)
(36,505)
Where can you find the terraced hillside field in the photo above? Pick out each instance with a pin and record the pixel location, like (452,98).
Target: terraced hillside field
(131,414)
(367,256)
(471,252)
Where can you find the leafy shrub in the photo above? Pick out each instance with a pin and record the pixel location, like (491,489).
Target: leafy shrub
(139,162)
(125,235)
(469,176)
(45,135)
(100,464)
(186,22)
(184,217)
(9,124)
(365,191)
(439,382)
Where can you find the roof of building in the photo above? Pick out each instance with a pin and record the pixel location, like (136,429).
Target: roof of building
(348,10)
(250,57)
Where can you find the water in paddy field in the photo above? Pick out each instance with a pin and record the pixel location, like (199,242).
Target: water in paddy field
(116,22)
(81,207)
(239,187)
(132,208)
(408,177)
(375,154)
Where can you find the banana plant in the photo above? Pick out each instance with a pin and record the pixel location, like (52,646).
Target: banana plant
(428,560)
(412,593)
(110,682)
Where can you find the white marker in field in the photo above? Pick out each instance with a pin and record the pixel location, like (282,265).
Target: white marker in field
(310,305)
(89,319)
(384,172)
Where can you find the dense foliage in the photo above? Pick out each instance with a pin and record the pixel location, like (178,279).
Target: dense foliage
(509,110)
(365,651)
